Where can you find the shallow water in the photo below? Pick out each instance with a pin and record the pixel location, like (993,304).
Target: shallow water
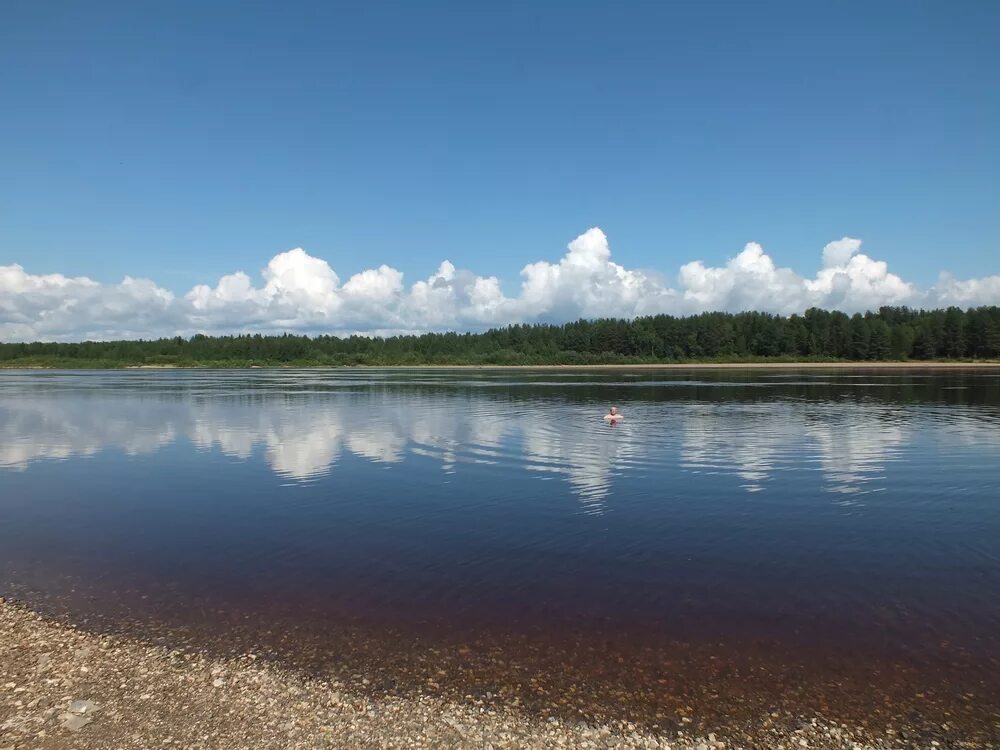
(821,512)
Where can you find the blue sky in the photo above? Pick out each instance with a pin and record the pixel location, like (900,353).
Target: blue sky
(182,141)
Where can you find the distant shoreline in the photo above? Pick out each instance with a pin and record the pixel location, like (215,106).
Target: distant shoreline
(702,366)
(861,365)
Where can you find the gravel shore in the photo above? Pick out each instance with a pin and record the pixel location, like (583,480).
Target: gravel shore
(61,687)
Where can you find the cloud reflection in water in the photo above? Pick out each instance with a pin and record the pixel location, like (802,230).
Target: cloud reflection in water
(302,435)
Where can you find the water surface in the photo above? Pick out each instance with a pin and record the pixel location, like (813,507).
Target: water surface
(851,515)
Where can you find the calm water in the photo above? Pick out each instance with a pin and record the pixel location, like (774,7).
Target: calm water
(827,510)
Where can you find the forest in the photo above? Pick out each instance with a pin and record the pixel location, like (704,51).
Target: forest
(891,333)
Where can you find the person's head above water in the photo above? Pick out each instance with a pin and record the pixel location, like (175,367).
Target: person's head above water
(613,411)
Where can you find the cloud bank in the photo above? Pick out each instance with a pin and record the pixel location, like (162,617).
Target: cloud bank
(299,292)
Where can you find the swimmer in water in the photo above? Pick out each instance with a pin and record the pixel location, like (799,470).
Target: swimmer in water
(613,415)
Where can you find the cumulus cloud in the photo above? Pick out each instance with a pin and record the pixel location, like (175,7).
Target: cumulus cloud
(57,306)
(300,292)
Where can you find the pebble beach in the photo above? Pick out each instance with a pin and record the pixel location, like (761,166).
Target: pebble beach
(64,687)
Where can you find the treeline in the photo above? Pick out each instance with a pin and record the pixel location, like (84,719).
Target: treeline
(892,333)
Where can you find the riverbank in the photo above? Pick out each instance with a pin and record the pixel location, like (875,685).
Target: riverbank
(725,366)
(63,687)
(748,365)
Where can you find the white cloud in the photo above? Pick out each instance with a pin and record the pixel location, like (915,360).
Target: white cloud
(54,306)
(301,292)
(951,291)
(838,252)
(587,283)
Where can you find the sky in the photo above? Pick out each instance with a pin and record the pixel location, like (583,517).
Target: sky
(181,166)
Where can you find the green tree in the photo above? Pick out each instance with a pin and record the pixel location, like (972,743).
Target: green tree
(860,336)
(954,333)
(879,342)
(902,336)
